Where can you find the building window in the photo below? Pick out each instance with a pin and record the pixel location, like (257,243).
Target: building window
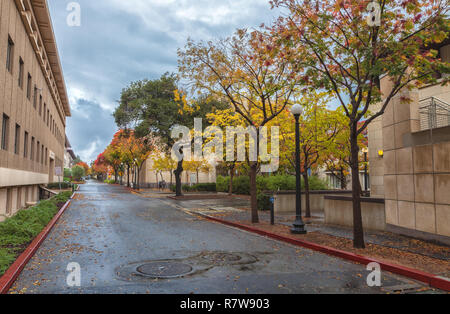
(46,156)
(17,140)
(32,148)
(9,55)
(8,201)
(35,96)
(40,104)
(42,154)
(5,132)
(25,145)
(29,86)
(21,72)
(38,155)
(45,110)
(48,116)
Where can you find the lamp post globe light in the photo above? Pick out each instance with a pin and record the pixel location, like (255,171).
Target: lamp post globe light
(299,226)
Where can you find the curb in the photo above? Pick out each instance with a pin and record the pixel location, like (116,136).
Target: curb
(8,279)
(434,281)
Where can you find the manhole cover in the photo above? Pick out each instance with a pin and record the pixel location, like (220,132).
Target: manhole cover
(220,258)
(164,269)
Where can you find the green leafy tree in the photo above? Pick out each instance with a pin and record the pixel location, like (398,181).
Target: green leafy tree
(153,108)
(78,173)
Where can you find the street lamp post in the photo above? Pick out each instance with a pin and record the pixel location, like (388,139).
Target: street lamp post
(366,183)
(299,226)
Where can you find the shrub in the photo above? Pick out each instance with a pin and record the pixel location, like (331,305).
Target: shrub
(78,172)
(201,187)
(241,185)
(67,173)
(55,185)
(109,181)
(264,201)
(16,232)
(205,187)
(280,182)
(316,184)
(222,184)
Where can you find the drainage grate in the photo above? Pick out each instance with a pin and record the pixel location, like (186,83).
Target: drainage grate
(164,270)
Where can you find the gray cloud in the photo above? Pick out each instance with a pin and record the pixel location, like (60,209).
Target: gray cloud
(123,41)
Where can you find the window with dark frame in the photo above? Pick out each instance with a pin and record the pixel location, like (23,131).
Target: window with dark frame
(38,155)
(17,140)
(45,110)
(5,132)
(42,154)
(29,86)
(25,145)
(40,105)
(21,72)
(32,148)
(35,97)
(10,55)
(46,156)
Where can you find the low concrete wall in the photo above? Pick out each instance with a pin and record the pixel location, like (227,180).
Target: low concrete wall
(339,211)
(285,200)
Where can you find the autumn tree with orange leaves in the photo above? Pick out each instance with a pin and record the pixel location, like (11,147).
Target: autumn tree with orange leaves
(126,151)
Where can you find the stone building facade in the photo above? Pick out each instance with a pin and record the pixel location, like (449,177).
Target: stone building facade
(33,103)
(410,160)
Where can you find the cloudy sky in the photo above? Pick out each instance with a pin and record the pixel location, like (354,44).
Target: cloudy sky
(122,41)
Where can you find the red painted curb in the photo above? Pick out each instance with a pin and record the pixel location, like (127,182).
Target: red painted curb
(430,279)
(7,280)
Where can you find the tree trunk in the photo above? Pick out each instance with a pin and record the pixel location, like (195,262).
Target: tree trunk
(253,192)
(307,200)
(343,180)
(128,175)
(197,178)
(138,178)
(358,232)
(178,172)
(230,189)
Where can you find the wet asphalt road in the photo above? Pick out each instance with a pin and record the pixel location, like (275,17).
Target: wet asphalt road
(110,232)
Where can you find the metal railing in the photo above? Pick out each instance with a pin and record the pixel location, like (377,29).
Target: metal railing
(434,113)
(45,193)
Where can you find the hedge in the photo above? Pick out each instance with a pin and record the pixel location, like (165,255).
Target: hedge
(241,185)
(18,231)
(55,185)
(200,187)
